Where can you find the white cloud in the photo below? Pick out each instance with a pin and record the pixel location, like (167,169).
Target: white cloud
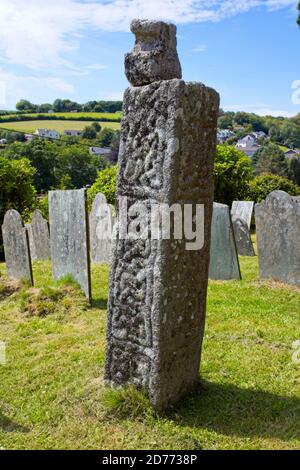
(36,89)
(261,109)
(41,36)
(200,48)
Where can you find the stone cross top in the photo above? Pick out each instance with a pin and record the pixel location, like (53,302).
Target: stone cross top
(154,56)
(157,293)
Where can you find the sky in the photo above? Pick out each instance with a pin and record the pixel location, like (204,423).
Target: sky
(246,49)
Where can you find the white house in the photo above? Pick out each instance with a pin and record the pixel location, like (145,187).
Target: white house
(71,133)
(100,151)
(246,141)
(290,153)
(48,133)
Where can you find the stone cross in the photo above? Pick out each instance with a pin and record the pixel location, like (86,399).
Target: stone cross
(16,247)
(101,229)
(39,237)
(224,261)
(158,287)
(69,237)
(278,241)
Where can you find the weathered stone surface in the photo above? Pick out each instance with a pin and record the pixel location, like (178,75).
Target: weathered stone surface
(157,296)
(278,240)
(31,243)
(39,237)
(224,261)
(242,237)
(69,237)
(16,247)
(243,210)
(154,56)
(101,228)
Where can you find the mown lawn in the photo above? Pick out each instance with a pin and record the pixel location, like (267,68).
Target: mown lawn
(60,126)
(52,393)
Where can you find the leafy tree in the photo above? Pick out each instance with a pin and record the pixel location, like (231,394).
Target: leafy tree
(16,188)
(294,169)
(232,173)
(25,105)
(43,157)
(270,159)
(89,133)
(264,184)
(96,126)
(76,167)
(106,137)
(226,120)
(114,146)
(105,184)
(58,106)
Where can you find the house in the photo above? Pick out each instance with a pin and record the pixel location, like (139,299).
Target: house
(223,135)
(28,137)
(71,133)
(259,135)
(246,142)
(48,133)
(290,153)
(50,111)
(100,151)
(3,141)
(250,151)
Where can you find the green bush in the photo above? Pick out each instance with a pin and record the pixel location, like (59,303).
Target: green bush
(105,184)
(232,173)
(16,188)
(264,184)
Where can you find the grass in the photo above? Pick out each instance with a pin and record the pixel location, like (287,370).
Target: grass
(52,393)
(60,126)
(74,116)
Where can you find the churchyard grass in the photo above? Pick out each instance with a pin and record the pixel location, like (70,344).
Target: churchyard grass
(52,393)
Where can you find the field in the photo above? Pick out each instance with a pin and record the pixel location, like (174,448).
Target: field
(74,116)
(60,126)
(52,393)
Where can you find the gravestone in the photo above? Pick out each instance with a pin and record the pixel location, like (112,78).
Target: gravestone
(157,294)
(242,237)
(243,210)
(278,241)
(69,237)
(224,261)
(39,237)
(16,247)
(31,243)
(101,229)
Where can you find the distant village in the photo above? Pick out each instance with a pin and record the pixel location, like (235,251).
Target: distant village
(250,143)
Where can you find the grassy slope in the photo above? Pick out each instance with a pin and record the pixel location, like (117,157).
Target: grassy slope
(51,390)
(60,126)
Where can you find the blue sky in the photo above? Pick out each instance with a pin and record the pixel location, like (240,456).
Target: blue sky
(246,49)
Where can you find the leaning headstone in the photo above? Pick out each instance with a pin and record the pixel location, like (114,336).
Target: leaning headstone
(16,247)
(243,210)
(69,237)
(242,237)
(278,240)
(31,242)
(39,237)
(224,261)
(101,229)
(157,295)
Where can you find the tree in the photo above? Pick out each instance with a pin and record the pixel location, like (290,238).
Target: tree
(76,167)
(25,105)
(106,137)
(114,146)
(106,184)
(264,184)
(16,188)
(232,173)
(96,126)
(42,155)
(89,133)
(294,169)
(299,13)
(270,159)
(58,106)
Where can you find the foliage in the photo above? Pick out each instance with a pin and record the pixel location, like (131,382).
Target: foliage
(57,164)
(264,184)
(106,137)
(105,184)
(66,105)
(16,188)
(270,159)
(232,173)
(89,132)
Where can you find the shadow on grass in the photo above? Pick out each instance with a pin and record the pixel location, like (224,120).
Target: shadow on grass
(230,410)
(7,425)
(99,303)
